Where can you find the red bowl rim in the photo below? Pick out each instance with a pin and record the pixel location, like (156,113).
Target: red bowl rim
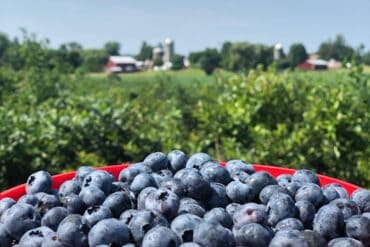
(17,191)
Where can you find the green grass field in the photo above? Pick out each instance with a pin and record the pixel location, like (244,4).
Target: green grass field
(112,85)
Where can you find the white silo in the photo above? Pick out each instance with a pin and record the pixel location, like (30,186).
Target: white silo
(157,53)
(169,50)
(278,51)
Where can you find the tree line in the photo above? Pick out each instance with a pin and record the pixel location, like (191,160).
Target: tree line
(241,56)
(233,56)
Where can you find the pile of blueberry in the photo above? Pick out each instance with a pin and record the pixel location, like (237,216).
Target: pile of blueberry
(172,200)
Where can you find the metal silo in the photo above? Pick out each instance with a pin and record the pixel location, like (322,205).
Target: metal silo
(169,50)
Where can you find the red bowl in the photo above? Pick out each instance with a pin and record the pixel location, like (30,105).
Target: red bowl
(18,191)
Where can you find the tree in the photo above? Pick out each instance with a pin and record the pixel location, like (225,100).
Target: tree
(112,48)
(146,52)
(226,54)
(94,60)
(337,49)
(194,57)
(4,43)
(210,60)
(177,62)
(297,54)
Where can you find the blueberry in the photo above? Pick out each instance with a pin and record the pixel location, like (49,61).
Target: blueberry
(191,208)
(288,238)
(5,204)
(124,187)
(197,160)
(210,234)
(38,182)
(141,181)
(358,227)
(345,242)
(184,226)
(231,208)
(313,238)
(29,199)
(73,203)
(348,207)
(53,217)
(306,212)
(240,176)
(289,224)
(161,236)
(280,206)
(269,190)
(156,161)
(334,191)
(127,175)
(259,180)
(250,213)
(218,197)
(69,187)
(72,232)
(196,186)
(92,196)
(126,245)
(143,195)
(239,165)
(310,192)
(5,238)
(142,167)
(34,237)
(175,185)
(109,232)
(162,176)
(213,172)
(305,176)
(220,216)
(240,192)
(180,173)
(143,221)
(20,218)
(52,240)
(190,244)
(362,198)
(292,187)
(253,235)
(100,179)
(329,222)
(164,202)
(127,216)
(82,172)
(177,160)
(46,202)
(284,179)
(95,214)
(118,202)
(367,215)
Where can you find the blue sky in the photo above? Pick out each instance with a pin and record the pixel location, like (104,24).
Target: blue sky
(193,24)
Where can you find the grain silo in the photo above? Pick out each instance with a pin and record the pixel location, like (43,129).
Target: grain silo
(169,50)
(278,51)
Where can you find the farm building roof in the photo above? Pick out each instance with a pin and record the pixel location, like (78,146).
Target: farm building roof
(122,59)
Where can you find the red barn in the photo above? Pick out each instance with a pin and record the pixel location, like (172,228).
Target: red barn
(120,64)
(314,64)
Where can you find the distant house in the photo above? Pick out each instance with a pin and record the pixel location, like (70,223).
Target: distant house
(121,64)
